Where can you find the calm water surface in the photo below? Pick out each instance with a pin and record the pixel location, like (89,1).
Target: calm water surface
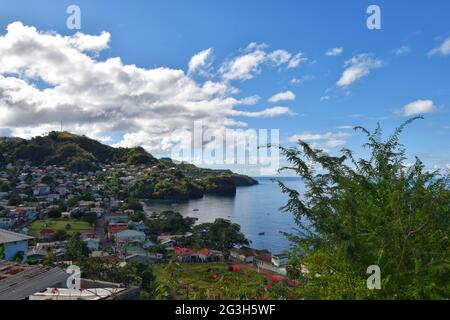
(255,208)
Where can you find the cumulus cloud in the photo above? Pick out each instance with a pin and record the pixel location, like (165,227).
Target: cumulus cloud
(358,67)
(46,77)
(418,107)
(323,141)
(200,61)
(248,64)
(443,49)
(282,96)
(334,52)
(296,61)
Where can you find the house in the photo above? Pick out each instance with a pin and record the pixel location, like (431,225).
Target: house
(129,236)
(244,254)
(46,234)
(65,215)
(203,255)
(42,190)
(186,254)
(117,218)
(114,228)
(93,244)
(13,245)
(263,260)
(138,226)
(18,282)
(280,260)
(87,234)
(207,255)
(92,290)
(7,223)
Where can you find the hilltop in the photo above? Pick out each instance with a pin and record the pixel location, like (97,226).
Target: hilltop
(174,181)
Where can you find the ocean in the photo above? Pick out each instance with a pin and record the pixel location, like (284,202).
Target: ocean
(256,209)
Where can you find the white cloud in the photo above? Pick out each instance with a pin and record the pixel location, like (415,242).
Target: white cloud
(324,98)
(247,65)
(324,141)
(200,60)
(270,112)
(279,57)
(402,50)
(282,96)
(47,77)
(358,67)
(334,52)
(443,49)
(418,107)
(303,79)
(296,61)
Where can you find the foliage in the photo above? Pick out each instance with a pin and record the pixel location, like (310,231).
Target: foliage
(76,248)
(170,222)
(60,235)
(361,212)
(54,213)
(221,235)
(14,199)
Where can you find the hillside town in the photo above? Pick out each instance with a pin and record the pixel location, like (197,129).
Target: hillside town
(51,217)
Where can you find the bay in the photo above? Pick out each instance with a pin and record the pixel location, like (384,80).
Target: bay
(256,209)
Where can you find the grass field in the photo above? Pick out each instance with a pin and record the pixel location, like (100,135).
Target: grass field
(59,224)
(216,281)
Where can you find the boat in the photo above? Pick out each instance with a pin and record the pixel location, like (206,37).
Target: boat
(196,210)
(261,234)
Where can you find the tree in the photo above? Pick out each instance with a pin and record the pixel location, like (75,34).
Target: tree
(148,284)
(220,235)
(89,217)
(76,248)
(60,235)
(355,213)
(47,180)
(54,213)
(14,199)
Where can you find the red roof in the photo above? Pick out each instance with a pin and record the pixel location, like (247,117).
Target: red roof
(87,232)
(46,231)
(184,251)
(117,228)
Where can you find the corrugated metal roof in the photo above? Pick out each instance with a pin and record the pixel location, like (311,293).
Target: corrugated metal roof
(18,282)
(7,236)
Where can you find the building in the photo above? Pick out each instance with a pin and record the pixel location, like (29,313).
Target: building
(280,260)
(46,234)
(244,254)
(129,236)
(18,282)
(263,260)
(7,223)
(12,245)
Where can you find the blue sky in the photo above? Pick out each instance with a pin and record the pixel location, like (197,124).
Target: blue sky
(398,63)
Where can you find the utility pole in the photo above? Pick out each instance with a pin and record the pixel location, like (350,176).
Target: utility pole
(61,126)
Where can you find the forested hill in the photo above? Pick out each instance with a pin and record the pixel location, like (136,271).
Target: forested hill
(80,153)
